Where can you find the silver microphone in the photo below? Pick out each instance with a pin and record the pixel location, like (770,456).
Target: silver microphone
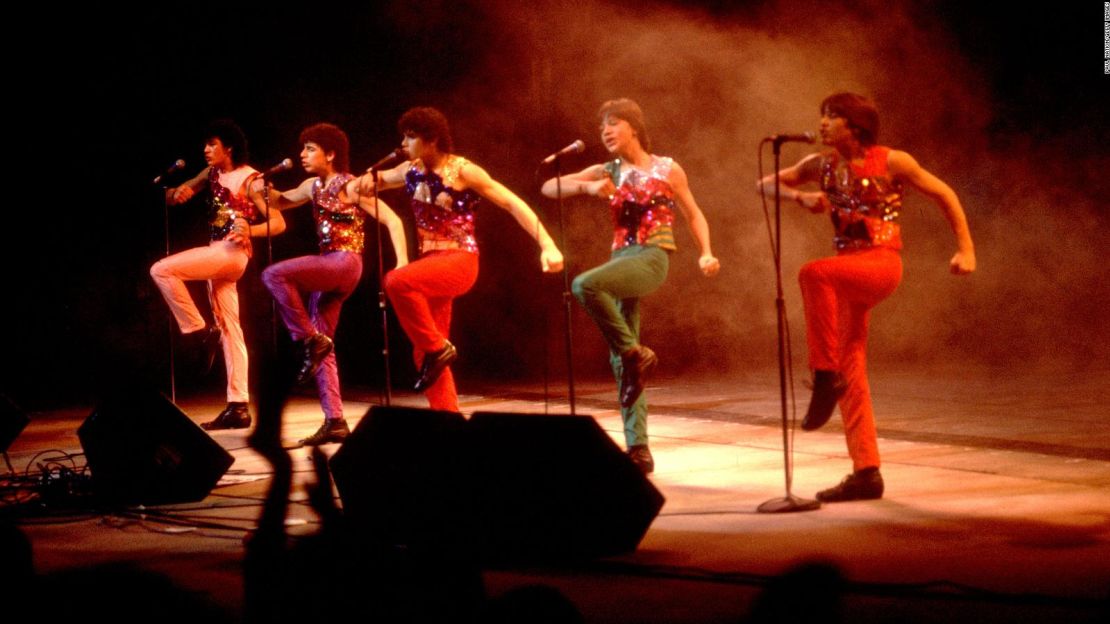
(388,159)
(805,137)
(177,164)
(284,165)
(573,148)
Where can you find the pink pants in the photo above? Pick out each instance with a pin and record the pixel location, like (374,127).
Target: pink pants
(838,294)
(421,293)
(221,263)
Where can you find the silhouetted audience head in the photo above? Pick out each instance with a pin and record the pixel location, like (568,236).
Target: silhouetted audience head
(810,592)
(535,604)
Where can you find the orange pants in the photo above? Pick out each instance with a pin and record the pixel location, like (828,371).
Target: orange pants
(838,294)
(421,293)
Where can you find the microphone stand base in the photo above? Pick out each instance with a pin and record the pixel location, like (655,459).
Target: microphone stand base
(788,504)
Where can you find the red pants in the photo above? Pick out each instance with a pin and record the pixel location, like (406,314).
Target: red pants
(421,293)
(839,293)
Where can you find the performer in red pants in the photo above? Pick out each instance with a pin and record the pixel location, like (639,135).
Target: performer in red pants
(861,188)
(445,189)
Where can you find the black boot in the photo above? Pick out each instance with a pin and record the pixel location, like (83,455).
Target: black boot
(211,346)
(205,343)
(636,365)
(235,416)
(865,484)
(434,364)
(316,348)
(333,430)
(828,387)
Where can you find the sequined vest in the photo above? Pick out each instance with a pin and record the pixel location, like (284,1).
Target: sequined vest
(338,224)
(865,200)
(643,206)
(225,207)
(444,215)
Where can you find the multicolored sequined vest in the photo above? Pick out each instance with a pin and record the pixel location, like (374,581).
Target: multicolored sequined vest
(225,207)
(338,224)
(444,214)
(865,200)
(643,206)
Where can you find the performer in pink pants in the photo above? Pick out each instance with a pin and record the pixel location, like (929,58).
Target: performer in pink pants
(861,188)
(237,212)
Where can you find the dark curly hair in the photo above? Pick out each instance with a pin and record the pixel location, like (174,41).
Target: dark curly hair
(430,125)
(231,135)
(332,139)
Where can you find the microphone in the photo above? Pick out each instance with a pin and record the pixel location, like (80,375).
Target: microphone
(805,137)
(177,164)
(284,165)
(573,148)
(388,158)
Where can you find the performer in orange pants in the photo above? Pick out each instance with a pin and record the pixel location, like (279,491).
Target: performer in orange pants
(839,293)
(861,187)
(444,190)
(422,294)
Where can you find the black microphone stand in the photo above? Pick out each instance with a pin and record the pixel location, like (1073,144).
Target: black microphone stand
(267,188)
(788,503)
(567,296)
(388,395)
(169,320)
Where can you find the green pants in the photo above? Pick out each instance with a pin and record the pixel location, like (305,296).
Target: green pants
(611,295)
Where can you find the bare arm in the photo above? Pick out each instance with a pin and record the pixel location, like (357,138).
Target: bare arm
(298,196)
(186,190)
(694,219)
(805,171)
(387,179)
(551,259)
(385,215)
(593,180)
(904,167)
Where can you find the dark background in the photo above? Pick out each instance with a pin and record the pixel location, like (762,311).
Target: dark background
(1007,106)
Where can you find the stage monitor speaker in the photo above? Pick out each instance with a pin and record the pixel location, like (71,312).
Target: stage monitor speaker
(12,422)
(142,449)
(508,488)
(554,487)
(402,477)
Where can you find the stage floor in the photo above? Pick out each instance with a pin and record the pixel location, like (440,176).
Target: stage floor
(997,505)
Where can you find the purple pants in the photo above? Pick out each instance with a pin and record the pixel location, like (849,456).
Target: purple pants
(328,279)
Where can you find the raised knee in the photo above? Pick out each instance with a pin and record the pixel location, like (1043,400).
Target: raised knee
(158,270)
(810,273)
(270,277)
(582,287)
(395,282)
